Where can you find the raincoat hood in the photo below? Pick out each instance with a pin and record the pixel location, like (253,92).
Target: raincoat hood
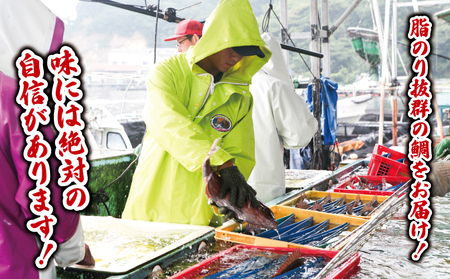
(231,24)
(276,66)
(185,111)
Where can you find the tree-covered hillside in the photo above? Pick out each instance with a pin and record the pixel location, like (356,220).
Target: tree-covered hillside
(99,27)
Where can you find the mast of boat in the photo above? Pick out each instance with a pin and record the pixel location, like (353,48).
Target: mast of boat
(391,80)
(379,27)
(317,158)
(394,71)
(284,27)
(326,68)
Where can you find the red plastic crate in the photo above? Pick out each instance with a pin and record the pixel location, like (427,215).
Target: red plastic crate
(371,181)
(381,166)
(343,271)
(395,155)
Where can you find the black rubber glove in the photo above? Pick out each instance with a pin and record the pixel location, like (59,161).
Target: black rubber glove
(233,181)
(227,214)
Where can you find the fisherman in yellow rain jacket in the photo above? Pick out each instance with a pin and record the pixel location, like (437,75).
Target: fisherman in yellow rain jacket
(194,98)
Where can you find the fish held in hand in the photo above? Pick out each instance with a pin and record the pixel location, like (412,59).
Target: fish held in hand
(260,216)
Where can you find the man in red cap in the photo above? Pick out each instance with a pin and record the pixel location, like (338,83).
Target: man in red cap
(187,34)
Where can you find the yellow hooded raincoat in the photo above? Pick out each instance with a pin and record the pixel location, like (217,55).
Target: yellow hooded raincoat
(185,111)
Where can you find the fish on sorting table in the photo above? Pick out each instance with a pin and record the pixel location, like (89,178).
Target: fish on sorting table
(350,206)
(317,207)
(326,200)
(370,206)
(342,201)
(261,216)
(349,209)
(292,262)
(302,203)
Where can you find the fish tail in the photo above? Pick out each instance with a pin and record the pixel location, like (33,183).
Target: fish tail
(213,149)
(283,268)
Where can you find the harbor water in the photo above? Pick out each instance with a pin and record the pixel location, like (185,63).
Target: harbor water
(387,254)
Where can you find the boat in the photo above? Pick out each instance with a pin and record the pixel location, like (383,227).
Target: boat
(363,85)
(360,115)
(106,137)
(134,127)
(358,120)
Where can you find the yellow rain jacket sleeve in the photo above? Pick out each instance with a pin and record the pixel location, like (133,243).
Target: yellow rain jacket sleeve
(185,111)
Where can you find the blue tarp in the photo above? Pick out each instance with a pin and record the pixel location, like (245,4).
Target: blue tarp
(301,158)
(328,99)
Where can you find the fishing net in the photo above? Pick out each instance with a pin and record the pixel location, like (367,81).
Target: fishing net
(365,43)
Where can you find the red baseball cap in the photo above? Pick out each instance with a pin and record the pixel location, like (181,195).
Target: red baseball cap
(186,27)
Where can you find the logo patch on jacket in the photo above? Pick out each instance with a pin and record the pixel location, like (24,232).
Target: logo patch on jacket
(221,123)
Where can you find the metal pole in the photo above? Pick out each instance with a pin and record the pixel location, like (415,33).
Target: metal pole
(325,41)
(394,116)
(135,9)
(125,95)
(156,33)
(314,44)
(379,25)
(415,6)
(385,66)
(301,50)
(422,3)
(394,40)
(394,72)
(284,22)
(344,16)
(403,64)
(385,70)
(317,160)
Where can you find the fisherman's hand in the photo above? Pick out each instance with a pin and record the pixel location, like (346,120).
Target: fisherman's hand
(232,180)
(227,214)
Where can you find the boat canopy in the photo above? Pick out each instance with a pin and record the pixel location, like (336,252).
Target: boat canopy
(445,15)
(365,43)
